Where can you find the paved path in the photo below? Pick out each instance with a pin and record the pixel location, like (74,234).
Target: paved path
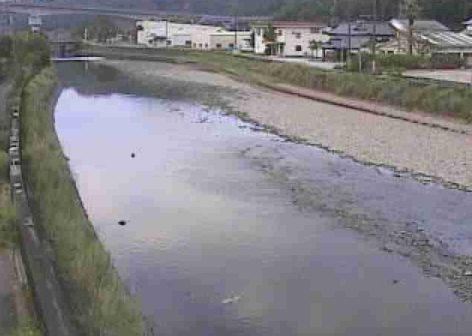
(459,76)
(307,61)
(7,307)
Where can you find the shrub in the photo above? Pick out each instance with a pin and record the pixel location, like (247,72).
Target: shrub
(447,61)
(6,46)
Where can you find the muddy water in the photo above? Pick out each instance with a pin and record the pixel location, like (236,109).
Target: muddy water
(232,231)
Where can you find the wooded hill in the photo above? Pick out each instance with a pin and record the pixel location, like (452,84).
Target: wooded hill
(450,12)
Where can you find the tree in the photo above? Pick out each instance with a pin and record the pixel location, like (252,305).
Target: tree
(314,46)
(269,36)
(101,29)
(6,46)
(253,40)
(411,9)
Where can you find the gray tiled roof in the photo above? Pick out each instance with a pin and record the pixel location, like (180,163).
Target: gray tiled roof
(362,29)
(342,42)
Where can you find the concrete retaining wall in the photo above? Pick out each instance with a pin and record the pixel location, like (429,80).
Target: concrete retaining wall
(48,296)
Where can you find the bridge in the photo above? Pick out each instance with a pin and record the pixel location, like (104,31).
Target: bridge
(52,8)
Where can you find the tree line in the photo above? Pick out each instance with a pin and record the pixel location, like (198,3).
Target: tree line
(450,12)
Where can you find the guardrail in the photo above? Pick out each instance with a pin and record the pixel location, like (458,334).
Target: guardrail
(48,297)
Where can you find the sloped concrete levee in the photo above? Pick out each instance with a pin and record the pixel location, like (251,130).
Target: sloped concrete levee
(49,299)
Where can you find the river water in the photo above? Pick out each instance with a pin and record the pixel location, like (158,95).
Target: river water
(233,231)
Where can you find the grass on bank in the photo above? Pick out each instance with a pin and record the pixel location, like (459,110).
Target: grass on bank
(7,210)
(395,91)
(391,90)
(100,303)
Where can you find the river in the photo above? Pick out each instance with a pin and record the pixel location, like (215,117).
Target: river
(234,231)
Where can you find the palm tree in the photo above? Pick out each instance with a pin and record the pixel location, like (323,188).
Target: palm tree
(411,9)
(269,36)
(314,46)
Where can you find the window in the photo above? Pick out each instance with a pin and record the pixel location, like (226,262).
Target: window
(200,45)
(194,45)
(231,45)
(298,35)
(169,42)
(280,32)
(206,45)
(218,45)
(259,31)
(298,48)
(188,43)
(314,30)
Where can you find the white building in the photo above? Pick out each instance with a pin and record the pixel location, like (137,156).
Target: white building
(164,33)
(292,39)
(226,41)
(160,34)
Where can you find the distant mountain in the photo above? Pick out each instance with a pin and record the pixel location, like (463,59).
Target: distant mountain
(449,12)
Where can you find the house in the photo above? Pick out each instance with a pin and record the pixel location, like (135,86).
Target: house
(226,40)
(400,44)
(355,36)
(160,34)
(292,39)
(429,37)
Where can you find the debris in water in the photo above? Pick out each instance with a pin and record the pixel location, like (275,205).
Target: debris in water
(122,223)
(388,248)
(396,281)
(234,299)
(133,155)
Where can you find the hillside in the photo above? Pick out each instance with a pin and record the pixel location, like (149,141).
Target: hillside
(449,12)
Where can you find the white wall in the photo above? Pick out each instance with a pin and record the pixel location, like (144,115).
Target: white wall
(226,40)
(181,40)
(259,47)
(178,34)
(301,37)
(290,38)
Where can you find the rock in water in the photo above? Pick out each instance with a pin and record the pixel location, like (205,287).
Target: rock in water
(133,155)
(122,223)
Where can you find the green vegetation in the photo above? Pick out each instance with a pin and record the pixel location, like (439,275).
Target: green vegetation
(100,303)
(101,28)
(6,46)
(392,90)
(27,328)
(399,63)
(7,211)
(314,47)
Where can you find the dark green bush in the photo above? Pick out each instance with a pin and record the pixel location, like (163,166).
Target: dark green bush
(447,61)
(6,46)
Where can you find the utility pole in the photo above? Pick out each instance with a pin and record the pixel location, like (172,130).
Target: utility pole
(236,25)
(374,39)
(167,33)
(348,56)
(235,32)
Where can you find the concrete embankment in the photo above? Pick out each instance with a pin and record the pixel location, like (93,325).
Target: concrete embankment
(431,148)
(99,301)
(48,296)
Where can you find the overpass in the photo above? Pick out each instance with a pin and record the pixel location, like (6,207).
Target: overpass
(51,8)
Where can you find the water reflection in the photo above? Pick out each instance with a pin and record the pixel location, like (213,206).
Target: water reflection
(211,213)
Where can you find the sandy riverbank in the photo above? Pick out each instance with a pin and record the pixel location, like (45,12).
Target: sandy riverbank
(368,138)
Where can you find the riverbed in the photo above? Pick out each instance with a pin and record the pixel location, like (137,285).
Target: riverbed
(231,230)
